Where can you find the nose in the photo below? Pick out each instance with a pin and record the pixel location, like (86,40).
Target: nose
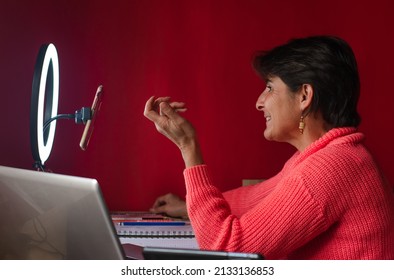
(260,102)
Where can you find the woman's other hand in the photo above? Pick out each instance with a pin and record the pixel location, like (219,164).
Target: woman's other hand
(170,205)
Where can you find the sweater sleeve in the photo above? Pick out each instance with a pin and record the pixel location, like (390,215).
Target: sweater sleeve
(243,198)
(281,222)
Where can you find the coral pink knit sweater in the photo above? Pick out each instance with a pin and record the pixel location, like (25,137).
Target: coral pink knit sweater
(328,202)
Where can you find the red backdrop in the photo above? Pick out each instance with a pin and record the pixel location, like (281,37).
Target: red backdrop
(195,51)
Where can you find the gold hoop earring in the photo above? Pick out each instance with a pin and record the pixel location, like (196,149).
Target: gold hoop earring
(301,125)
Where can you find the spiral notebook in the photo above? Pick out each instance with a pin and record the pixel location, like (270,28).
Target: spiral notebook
(145,224)
(155,230)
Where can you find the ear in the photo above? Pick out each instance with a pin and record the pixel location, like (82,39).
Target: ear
(306,96)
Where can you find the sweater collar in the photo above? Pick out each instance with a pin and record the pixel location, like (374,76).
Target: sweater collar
(335,135)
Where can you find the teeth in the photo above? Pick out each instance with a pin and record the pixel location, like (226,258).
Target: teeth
(267,118)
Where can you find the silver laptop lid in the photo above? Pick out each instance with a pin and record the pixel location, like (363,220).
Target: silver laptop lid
(52,216)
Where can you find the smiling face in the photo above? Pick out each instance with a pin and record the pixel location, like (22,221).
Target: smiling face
(282,111)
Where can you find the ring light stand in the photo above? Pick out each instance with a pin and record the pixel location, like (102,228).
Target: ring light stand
(44,105)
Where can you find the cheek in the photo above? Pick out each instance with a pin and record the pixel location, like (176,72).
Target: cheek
(292,122)
(287,118)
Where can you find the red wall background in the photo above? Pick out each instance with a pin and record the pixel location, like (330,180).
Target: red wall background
(195,51)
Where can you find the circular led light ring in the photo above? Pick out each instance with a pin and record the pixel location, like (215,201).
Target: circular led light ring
(44,150)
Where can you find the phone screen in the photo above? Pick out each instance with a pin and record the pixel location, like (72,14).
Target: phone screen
(87,132)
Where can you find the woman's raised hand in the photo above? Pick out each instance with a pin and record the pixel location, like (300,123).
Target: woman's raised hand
(164,114)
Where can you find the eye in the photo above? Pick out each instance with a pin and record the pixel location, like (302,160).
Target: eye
(268,88)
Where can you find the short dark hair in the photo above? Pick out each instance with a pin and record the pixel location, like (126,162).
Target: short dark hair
(325,62)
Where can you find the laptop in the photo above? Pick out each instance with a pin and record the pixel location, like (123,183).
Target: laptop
(54,216)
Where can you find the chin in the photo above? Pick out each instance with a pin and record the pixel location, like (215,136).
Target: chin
(268,136)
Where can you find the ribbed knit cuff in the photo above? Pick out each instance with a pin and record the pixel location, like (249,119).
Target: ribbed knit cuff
(197,176)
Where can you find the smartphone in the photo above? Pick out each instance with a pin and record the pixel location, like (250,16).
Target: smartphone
(87,132)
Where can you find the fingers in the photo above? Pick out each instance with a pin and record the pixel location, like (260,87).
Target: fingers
(160,205)
(149,110)
(159,209)
(168,198)
(171,205)
(178,106)
(153,104)
(167,110)
(153,107)
(159,201)
(168,121)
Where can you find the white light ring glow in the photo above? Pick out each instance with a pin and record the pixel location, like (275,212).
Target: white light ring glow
(50,55)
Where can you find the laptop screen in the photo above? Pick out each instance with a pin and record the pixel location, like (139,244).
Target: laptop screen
(52,216)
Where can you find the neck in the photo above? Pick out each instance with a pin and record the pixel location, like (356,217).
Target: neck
(315,127)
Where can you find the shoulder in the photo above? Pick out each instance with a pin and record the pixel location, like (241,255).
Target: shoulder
(342,154)
(340,147)
(336,164)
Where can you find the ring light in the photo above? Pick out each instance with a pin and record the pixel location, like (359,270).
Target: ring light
(44,103)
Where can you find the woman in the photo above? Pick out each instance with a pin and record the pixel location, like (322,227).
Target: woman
(330,200)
